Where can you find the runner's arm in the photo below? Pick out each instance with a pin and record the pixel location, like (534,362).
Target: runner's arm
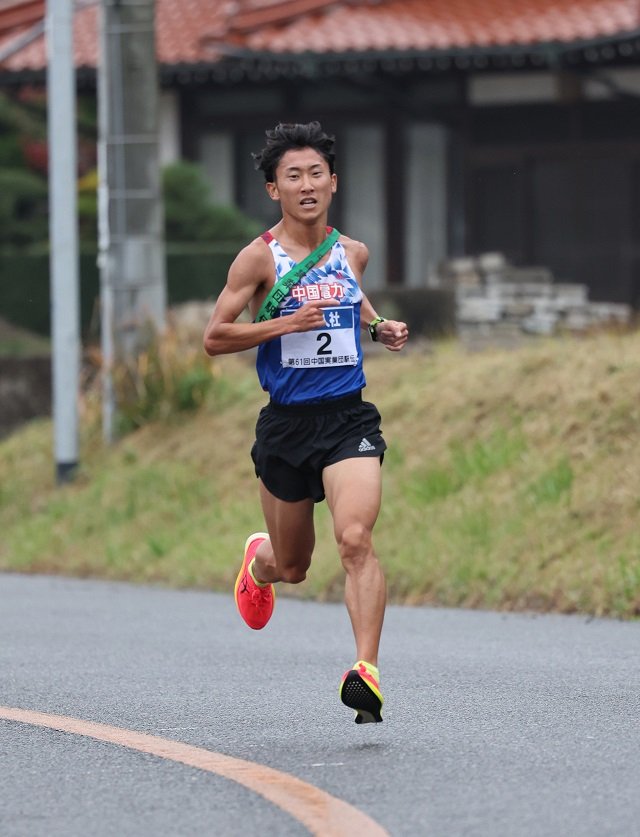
(391,333)
(247,285)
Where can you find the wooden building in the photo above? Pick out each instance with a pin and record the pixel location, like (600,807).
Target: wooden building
(462,127)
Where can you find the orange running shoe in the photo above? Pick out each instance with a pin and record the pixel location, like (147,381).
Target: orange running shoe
(360,690)
(254,603)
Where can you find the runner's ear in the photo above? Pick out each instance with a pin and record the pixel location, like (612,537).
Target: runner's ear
(272,191)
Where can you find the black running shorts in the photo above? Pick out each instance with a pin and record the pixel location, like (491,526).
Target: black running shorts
(295,442)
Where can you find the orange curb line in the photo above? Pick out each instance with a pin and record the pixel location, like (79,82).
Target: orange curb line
(321,813)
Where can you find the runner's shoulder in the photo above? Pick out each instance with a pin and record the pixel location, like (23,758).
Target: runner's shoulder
(254,263)
(357,252)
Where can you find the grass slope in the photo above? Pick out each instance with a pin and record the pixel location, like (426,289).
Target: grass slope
(512,481)
(18,342)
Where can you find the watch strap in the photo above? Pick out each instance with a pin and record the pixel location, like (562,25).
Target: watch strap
(372,327)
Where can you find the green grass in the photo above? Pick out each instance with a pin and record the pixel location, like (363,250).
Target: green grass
(467,462)
(17,342)
(553,485)
(512,481)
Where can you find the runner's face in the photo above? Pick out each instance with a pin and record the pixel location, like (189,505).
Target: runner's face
(303,184)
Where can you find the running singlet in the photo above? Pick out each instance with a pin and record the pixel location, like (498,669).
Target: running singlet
(315,365)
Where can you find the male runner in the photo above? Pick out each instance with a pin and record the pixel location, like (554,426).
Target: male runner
(316,438)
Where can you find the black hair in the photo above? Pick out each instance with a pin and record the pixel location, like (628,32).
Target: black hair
(286,136)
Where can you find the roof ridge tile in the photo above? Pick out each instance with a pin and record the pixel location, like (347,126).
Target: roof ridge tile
(19,14)
(278,12)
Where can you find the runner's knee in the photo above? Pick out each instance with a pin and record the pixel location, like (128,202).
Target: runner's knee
(354,544)
(293,575)
(295,571)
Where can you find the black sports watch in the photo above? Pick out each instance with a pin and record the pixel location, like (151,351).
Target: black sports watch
(372,327)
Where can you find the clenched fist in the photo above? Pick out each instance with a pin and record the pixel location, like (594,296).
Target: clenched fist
(309,316)
(392,334)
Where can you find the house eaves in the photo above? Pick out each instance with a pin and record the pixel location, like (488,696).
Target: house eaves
(233,41)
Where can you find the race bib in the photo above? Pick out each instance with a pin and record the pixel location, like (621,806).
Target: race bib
(334,345)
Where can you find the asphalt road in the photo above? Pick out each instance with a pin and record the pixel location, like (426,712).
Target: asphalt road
(494,724)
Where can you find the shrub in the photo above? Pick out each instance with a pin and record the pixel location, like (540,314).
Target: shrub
(23,208)
(190,214)
(168,377)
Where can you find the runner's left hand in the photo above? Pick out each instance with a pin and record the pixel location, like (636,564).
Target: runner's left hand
(392,334)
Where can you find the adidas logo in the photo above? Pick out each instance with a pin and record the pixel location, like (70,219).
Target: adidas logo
(365,445)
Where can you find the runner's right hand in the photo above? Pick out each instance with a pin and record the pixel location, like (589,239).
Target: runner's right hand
(309,316)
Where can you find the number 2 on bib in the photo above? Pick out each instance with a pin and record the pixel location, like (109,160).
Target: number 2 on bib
(334,345)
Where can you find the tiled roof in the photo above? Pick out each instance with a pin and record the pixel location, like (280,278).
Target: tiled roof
(22,41)
(179,29)
(429,24)
(201,31)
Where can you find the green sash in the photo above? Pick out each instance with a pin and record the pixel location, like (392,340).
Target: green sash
(281,289)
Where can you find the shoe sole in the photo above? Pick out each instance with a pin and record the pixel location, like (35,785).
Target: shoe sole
(357,695)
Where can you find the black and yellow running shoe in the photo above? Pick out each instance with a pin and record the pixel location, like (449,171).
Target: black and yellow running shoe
(360,690)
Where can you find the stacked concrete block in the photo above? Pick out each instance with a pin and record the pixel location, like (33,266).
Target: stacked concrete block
(493,296)
(613,313)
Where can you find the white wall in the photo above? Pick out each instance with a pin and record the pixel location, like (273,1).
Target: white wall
(361,178)
(426,203)
(169,140)
(512,88)
(217,158)
(604,83)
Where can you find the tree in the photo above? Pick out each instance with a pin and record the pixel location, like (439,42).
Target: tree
(190,213)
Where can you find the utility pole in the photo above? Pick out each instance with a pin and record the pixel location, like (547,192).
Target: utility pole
(63,235)
(131,235)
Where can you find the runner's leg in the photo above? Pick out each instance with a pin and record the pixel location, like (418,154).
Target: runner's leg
(286,556)
(353,489)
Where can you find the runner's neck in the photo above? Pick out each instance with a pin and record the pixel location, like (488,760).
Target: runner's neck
(299,240)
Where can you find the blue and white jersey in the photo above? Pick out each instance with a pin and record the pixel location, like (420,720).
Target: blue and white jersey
(321,364)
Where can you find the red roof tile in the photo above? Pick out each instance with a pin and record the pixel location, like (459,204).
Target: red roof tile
(447,24)
(199,31)
(19,51)
(17,13)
